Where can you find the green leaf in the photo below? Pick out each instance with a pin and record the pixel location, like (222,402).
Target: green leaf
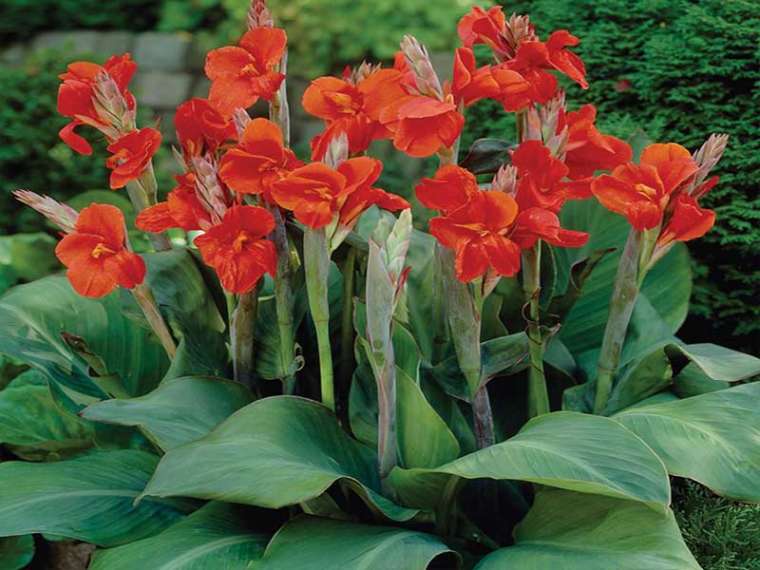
(570,530)
(667,286)
(190,310)
(89,498)
(718,362)
(275,452)
(310,543)
(578,452)
(486,156)
(33,316)
(179,411)
(16,552)
(33,427)
(215,536)
(28,256)
(710,438)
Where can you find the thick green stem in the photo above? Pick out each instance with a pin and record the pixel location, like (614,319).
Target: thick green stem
(626,290)
(147,302)
(143,193)
(316,267)
(538,396)
(347,321)
(284,301)
(483,418)
(241,336)
(387,446)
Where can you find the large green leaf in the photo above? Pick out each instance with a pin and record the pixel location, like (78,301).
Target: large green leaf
(16,552)
(89,498)
(578,452)
(215,536)
(570,530)
(275,452)
(189,307)
(712,438)
(667,287)
(33,316)
(33,427)
(179,411)
(310,543)
(28,256)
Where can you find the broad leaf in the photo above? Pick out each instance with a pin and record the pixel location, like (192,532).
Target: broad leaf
(570,530)
(33,316)
(310,543)
(712,438)
(275,452)
(33,427)
(486,156)
(215,536)
(179,411)
(190,311)
(28,256)
(578,452)
(89,498)
(16,552)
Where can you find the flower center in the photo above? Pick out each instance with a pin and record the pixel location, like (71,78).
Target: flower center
(240,241)
(100,249)
(250,70)
(646,190)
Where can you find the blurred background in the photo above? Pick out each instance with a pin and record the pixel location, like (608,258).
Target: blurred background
(669,70)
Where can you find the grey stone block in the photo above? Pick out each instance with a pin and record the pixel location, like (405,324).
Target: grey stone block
(14,55)
(76,42)
(162,91)
(162,51)
(114,43)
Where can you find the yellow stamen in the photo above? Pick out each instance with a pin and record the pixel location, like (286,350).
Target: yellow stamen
(100,249)
(240,242)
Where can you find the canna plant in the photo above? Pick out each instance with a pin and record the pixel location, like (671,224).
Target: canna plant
(294,375)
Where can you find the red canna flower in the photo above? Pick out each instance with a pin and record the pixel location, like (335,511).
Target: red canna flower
(352,107)
(540,177)
(316,193)
(471,84)
(182,209)
(687,221)
(486,229)
(75,95)
(237,248)
(478,234)
(258,160)
(487,27)
(641,192)
(241,74)
(588,150)
(201,128)
(131,155)
(422,125)
(96,255)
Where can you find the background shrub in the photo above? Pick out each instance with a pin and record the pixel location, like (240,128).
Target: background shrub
(678,70)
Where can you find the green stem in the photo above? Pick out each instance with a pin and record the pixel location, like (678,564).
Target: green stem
(538,396)
(241,336)
(284,301)
(624,294)
(316,267)
(143,193)
(347,321)
(147,303)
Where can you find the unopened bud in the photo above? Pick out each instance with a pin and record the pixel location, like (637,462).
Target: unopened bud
(337,150)
(207,188)
(518,29)
(362,72)
(259,15)
(419,62)
(707,157)
(62,215)
(505,180)
(241,118)
(110,104)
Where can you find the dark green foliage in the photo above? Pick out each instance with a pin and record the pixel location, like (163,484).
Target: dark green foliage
(679,70)
(722,534)
(31,154)
(19,19)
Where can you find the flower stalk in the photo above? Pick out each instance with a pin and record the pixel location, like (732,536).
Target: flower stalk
(538,396)
(630,274)
(242,327)
(316,254)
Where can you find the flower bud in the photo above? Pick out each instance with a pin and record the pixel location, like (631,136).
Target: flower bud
(62,215)
(505,180)
(111,105)
(209,191)
(419,62)
(337,151)
(241,118)
(259,15)
(707,157)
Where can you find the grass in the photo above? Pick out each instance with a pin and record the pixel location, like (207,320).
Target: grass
(722,534)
